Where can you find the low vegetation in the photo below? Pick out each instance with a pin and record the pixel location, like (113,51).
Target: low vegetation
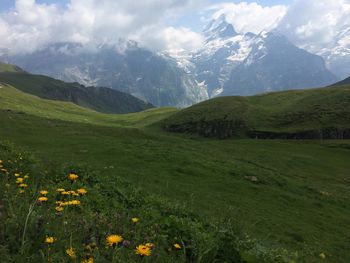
(302,114)
(234,200)
(73,215)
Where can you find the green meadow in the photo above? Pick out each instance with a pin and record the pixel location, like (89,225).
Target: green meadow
(285,194)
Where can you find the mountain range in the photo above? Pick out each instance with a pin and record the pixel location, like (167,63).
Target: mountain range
(228,63)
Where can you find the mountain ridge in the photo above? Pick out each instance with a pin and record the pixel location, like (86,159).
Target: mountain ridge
(97,98)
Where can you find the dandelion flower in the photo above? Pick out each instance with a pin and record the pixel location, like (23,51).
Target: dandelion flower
(74,202)
(89,260)
(17,174)
(59,208)
(73,177)
(19,180)
(135,219)
(177,246)
(70,252)
(113,240)
(65,193)
(50,240)
(23,185)
(43,199)
(60,190)
(26,177)
(143,250)
(82,191)
(44,192)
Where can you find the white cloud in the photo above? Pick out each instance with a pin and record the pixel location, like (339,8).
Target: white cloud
(316,24)
(312,24)
(249,17)
(170,38)
(32,25)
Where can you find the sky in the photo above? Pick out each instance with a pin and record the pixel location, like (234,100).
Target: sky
(28,25)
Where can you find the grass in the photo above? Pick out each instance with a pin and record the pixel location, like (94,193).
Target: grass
(287,111)
(8,68)
(65,216)
(97,98)
(292,194)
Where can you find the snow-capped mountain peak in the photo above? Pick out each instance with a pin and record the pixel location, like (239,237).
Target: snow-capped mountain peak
(219,28)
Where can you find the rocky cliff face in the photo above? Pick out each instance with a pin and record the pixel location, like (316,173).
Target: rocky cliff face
(244,64)
(139,72)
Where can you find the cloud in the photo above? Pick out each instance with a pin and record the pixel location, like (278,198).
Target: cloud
(249,17)
(311,24)
(32,25)
(317,24)
(170,38)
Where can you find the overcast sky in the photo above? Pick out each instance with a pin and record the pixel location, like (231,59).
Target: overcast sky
(26,25)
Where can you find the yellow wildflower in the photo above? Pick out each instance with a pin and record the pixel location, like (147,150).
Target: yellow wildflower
(50,240)
(113,240)
(23,185)
(21,191)
(177,246)
(60,190)
(73,193)
(70,252)
(17,174)
(73,177)
(26,177)
(59,208)
(74,202)
(19,180)
(65,193)
(82,191)
(89,260)
(135,219)
(44,192)
(143,250)
(43,199)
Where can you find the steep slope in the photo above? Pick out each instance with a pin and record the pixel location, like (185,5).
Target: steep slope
(17,102)
(307,114)
(343,82)
(124,67)
(274,63)
(100,99)
(4,67)
(245,64)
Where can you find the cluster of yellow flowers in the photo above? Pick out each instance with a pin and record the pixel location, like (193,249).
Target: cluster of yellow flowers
(20,181)
(143,250)
(43,197)
(2,168)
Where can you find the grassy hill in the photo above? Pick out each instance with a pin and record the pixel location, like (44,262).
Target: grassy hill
(4,67)
(343,82)
(100,99)
(287,196)
(301,114)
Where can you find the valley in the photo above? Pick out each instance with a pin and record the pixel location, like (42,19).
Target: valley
(285,193)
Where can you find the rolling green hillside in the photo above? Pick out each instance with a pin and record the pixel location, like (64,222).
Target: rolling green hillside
(343,82)
(288,196)
(4,67)
(100,99)
(303,114)
(14,100)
